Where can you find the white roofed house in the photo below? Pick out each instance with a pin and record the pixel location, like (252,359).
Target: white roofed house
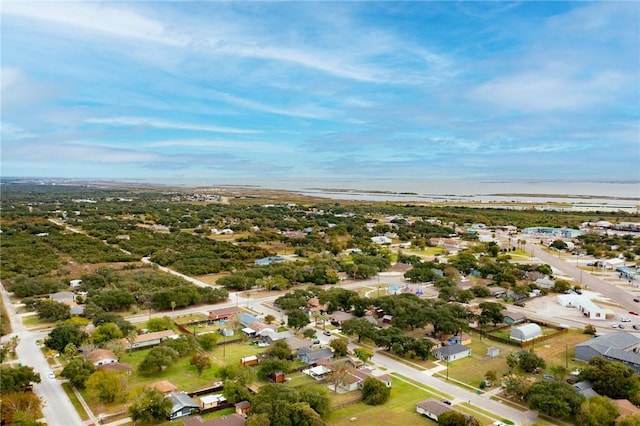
(432,408)
(381,239)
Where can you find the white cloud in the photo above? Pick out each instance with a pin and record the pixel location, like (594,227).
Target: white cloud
(223,144)
(95,17)
(161,124)
(303,111)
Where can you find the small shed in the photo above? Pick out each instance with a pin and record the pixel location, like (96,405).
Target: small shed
(243,407)
(493,352)
(249,360)
(278,377)
(211,401)
(525,332)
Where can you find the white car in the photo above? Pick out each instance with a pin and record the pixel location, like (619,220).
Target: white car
(51,375)
(625,319)
(614,325)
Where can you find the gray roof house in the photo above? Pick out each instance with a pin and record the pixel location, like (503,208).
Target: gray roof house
(619,346)
(452,352)
(432,408)
(183,404)
(63,297)
(310,356)
(525,332)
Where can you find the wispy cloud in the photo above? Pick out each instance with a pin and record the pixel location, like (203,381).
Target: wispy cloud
(160,124)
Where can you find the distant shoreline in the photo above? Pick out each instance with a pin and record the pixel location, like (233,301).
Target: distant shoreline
(609,194)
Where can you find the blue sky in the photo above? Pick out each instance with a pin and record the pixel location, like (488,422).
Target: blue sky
(424,90)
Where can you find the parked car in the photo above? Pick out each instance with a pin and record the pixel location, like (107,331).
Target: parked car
(326,333)
(636,326)
(636,300)
(621,327)
(521,304)
(446,401)
(625,319)
(614,325)
(51,375)
(633,313)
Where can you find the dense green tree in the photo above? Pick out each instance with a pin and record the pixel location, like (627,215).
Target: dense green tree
(106,332)
(597,411)
(556,399)
(236,392)
(491,312)
(317,398)
(530,362)
(612,379)
(159,324)
(106,317)
(374,392)
(50,310)
(280,349)
(78,371)
(629,420)
(360,327)
(150,406)
(108,386)
(184,345)
(456,418)
(208,341)
(237,373)
(297,319)
(62,335)
(363,354)
(14,379)
(272,365)
(158,359)
(339,347)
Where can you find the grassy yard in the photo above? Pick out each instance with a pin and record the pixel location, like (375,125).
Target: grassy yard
(187,319)
(399,410)
(471,370)
(75,401)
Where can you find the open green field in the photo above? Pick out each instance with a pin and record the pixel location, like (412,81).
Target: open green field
(190,318)
(399,410)
(471,370)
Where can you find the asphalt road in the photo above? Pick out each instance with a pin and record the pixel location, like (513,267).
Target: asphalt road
(56,406)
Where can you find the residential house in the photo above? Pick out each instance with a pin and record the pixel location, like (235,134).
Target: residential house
(381,239)
(619,346)
(63,297)
(452,352)
(545,283)
(512,318)
(223,314)
(75,283)
(101,357)
(338,317)
(183,405)
(247,318)
(150,339)
(165,387)
(525,332)
(318,372)
(432,408)
(311,356)
(269,260)
(354,379)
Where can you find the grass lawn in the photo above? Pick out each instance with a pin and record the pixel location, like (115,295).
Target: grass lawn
(399,410)
(231,354)
(471,370)
(32,321)
(189,318)
(428,251)
(75,401)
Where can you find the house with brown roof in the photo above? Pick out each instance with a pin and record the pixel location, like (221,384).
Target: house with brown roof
(101,357)
(243,407)
(223,313)
(165,387)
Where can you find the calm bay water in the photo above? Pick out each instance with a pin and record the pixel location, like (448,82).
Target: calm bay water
(618,193)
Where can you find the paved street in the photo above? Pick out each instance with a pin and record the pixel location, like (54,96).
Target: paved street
(57,408)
